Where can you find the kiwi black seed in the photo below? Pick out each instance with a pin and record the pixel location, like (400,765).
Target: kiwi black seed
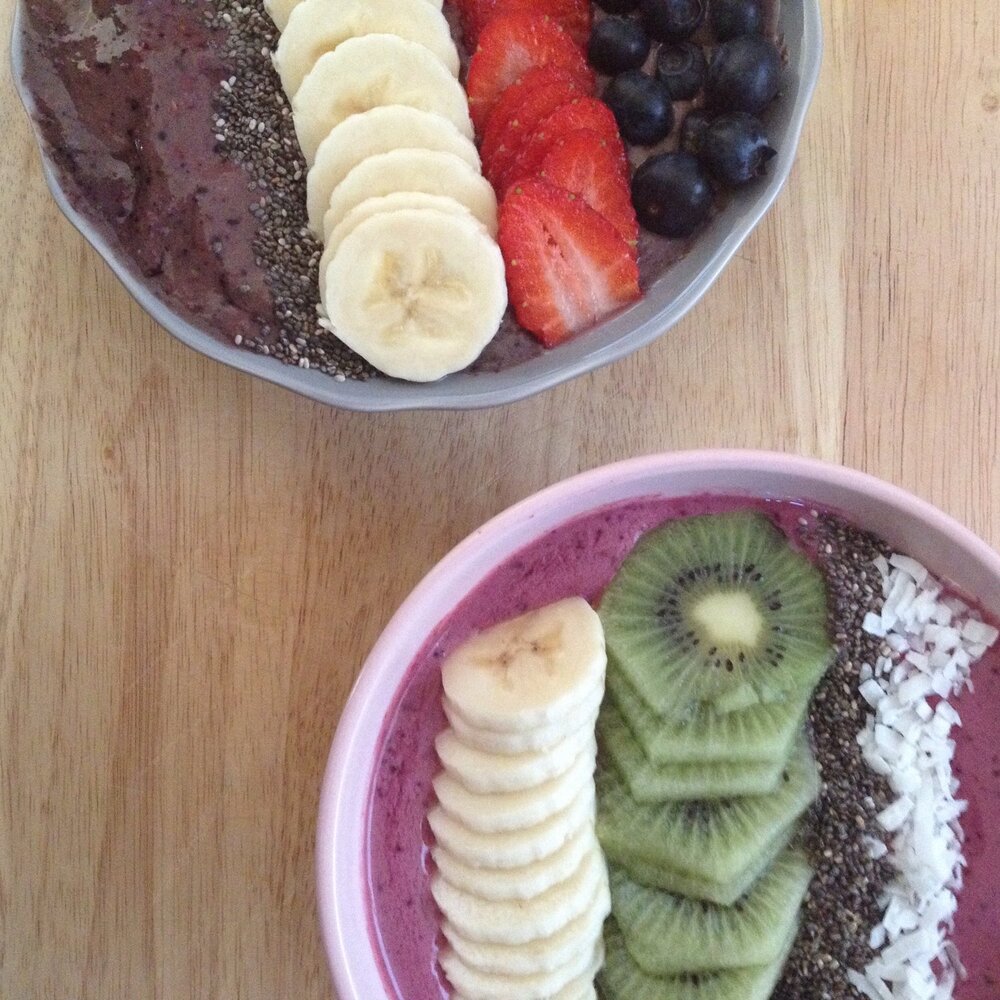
(717,610)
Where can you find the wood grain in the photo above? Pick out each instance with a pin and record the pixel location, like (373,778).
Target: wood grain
(194,564)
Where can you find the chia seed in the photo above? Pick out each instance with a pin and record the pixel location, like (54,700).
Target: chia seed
(252,122)
(842,905)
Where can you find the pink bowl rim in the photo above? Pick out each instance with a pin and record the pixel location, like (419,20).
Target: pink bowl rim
(341,889)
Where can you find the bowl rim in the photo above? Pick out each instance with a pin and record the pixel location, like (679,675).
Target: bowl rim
(498,388)
(344,912)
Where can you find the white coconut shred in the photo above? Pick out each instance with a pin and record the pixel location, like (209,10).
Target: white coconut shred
(932,640)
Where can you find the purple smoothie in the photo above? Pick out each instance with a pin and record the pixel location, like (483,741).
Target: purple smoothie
(123,93)
(581,557)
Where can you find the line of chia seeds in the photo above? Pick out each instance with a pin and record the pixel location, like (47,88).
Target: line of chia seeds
(253,127)
(842,905)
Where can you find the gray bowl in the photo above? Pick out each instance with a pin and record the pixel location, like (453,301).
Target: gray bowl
(668,295)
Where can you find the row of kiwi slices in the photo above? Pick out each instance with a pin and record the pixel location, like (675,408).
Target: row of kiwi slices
(717,636)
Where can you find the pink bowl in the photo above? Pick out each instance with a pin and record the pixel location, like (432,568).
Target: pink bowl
(906,522)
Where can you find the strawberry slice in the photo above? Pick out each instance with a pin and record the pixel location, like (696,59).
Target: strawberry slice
(573,15)
(521,107)
(580,112)
(585,163)
(567,266)
(509,46)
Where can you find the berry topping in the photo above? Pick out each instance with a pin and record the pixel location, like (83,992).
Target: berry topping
(582,112)
(744,74)
(573,15)
(730,18)
(735,148)
(693,131)
(672,195)
(673,20)
(509,46)
(616,44)
(682,67)
(567,266)
(521,107)
(642,107)
(585,163)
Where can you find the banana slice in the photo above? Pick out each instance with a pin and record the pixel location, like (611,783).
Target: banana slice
(280,10)
(517,883)
(531,739)
(367,72)
(319,26)
(542,955)
(476,985)
(518,847)
(532,671)
(378,130)
(416,292)
(517,921)
(586,990)
(484,772)
(387,203)
(499,812)
(425,171)
(582,988)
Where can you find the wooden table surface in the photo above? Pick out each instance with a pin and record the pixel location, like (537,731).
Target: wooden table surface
(193,564)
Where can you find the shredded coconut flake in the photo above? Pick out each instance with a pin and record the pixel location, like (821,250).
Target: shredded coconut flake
(931,643)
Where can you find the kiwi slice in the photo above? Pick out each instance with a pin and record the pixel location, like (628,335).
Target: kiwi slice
(697,887)
(717,841)
(668,935)
(717,609)
(649,782)
(622,979)
(757,734)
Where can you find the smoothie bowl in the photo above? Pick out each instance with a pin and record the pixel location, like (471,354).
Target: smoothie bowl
(219,191)
(791,675)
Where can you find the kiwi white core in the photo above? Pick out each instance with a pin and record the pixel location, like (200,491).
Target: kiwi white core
(729,617)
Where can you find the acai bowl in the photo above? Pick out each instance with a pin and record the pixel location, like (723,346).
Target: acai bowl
(858,830)
(168,142)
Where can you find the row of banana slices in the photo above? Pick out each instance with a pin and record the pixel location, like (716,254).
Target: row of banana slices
(411,276)
(521,879)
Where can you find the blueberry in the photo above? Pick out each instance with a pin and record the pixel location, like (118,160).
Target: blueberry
(682,67)
(673,20)
(671,194)
(641,106)
(616,44)
(730,18)
(744,75)
(734,149)
(693,131)
(618,6)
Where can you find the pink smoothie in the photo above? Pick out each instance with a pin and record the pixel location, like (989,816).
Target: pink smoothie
(580,558)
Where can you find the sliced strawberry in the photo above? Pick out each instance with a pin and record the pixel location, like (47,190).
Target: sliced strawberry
(523,105)
(585,163)
(580,112)
(573,15)
(567,266)
(509,46)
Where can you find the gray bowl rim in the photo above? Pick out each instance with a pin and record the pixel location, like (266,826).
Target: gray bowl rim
(497,389)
